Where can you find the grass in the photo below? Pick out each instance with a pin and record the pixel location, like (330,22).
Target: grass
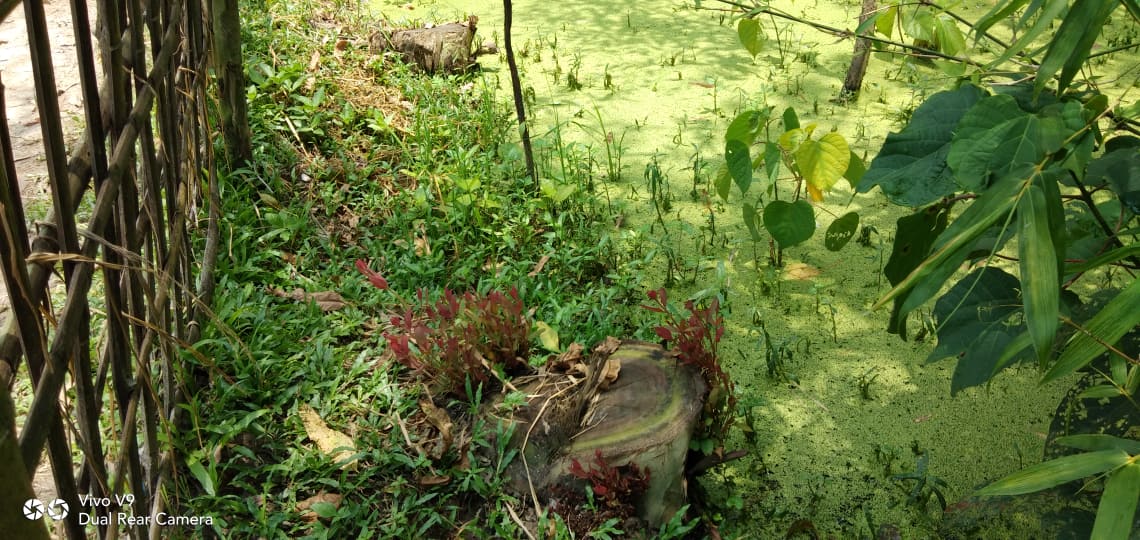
(361,157)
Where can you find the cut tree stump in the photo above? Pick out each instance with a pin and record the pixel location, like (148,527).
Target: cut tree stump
(446,48)
(633,402)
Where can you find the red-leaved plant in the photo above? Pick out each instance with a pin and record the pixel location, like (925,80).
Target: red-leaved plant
(614,486)
(445,341)
(695,337)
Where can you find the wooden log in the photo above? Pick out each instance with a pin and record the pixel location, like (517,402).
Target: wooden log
(446,48)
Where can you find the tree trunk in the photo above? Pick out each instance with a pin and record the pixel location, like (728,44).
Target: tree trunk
(231,80)
(854,80)
(516,88)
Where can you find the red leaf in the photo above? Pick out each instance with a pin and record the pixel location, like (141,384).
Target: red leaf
(374,277)
(664,333)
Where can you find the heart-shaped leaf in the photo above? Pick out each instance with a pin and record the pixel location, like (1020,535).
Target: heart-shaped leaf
(789,223)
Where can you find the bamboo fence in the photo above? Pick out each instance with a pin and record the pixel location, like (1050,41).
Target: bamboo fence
(104,302)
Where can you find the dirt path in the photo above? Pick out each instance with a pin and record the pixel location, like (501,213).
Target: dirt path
(27,146)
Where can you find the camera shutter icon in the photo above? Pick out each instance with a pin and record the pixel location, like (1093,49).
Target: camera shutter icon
(57,509)
(33,509)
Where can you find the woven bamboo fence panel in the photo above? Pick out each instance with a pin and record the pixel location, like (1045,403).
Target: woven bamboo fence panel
(104,302)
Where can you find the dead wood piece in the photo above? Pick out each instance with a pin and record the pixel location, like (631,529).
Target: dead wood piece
(446,48)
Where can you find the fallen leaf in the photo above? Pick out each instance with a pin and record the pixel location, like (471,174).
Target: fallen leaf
(326,300)
(442,423)
(433,480)
(566,360)
(315,61)
(322,502)
(608,346)
(801,271)
(610,371)
(538,267)
(547,336)
(329,441)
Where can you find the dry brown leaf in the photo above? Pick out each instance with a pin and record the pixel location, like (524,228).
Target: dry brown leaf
(565,361)
(801,271)
(329,441)
(608,346)
(441,421)
(538,267)
(420,240)
(433,480)
(315,61)
(326,300)
(305,506)
(610,372)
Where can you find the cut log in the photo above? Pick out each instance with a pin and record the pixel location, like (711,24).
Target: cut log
(446,48)
(645,417)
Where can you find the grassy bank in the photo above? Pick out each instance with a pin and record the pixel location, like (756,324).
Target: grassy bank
(359,158)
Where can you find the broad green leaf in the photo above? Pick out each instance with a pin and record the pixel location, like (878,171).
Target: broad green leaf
(953,245)
(1117,318)
(554,190)
(772,158)
(841,231)
(751,218)
(745,127)
(1040,284)
(324,509)
(1018,348)
(748,30)
(911,166)
(1118,503)
(791,139)
(1070,45)
(547,336)
(791,120)
(866,25)
(975,319)
(789,223)
(1055,472)
(949,37)
(202,476)
(823,162)
(723,182)
(1120,168)
(920,26)
(855,170)
(914,236)
(885,24)
(976,138)
(739,163)
(1099,441)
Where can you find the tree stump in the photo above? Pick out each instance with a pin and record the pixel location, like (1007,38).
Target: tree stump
(446,48)
(634,404)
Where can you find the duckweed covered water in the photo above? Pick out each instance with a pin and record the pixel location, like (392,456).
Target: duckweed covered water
(854,403)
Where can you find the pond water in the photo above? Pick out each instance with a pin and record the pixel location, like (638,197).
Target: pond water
(665,81)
